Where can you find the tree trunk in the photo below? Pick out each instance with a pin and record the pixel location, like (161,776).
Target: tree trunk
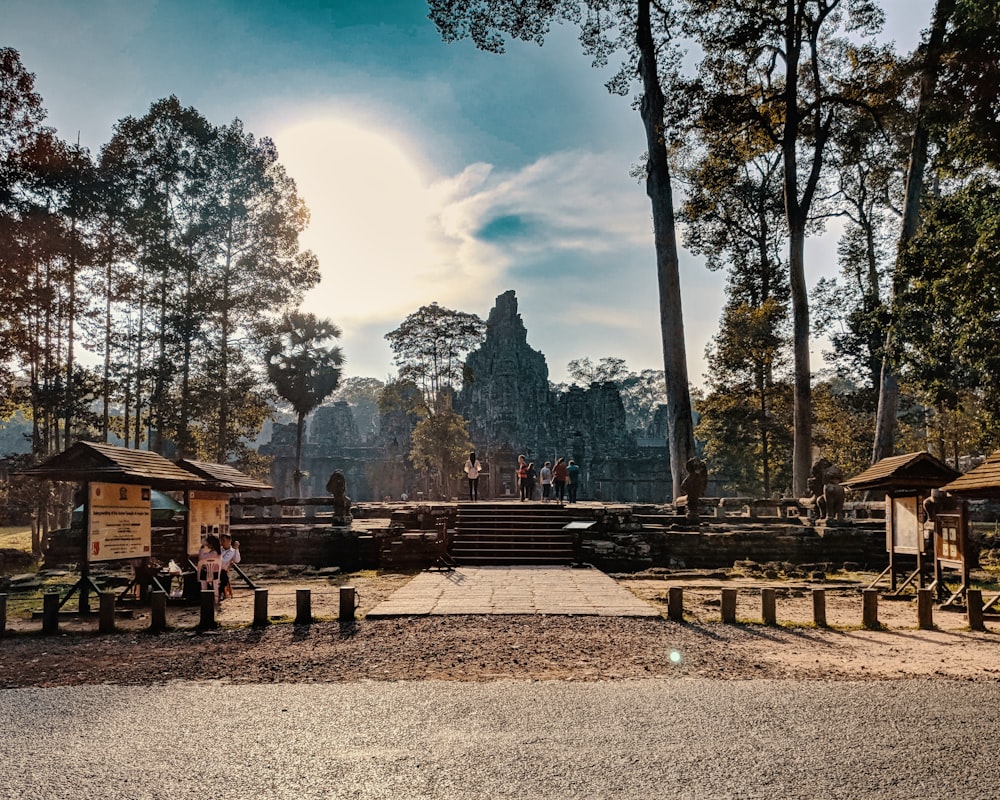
(297,475)
(802,408)
(680,425)
(888,398)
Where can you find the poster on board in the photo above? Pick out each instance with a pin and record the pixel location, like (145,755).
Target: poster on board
(119,523)
(208,512)
(907,534)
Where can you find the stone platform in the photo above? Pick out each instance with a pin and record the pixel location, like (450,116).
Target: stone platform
(514,590)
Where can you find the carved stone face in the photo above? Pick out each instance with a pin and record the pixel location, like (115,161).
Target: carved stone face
(337,485)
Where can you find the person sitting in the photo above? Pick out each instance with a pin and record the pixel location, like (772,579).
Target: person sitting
(230,556)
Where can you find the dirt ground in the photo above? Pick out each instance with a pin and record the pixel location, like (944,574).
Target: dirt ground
(487,648)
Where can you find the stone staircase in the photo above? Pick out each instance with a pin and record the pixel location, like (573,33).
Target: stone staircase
(512,533)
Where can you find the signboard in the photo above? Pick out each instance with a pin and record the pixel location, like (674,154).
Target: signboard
(118,522)
(907,534)
(208,513)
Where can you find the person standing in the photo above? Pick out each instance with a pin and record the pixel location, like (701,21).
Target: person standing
(559,476)
(522,477)
(530,479)
(546,477)
(473,469)
(573,479)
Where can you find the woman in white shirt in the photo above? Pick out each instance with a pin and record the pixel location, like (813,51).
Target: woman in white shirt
(472,471)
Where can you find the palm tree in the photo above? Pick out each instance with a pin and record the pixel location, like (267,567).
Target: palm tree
(303,365)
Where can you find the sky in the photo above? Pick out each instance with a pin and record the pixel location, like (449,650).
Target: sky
(433,172)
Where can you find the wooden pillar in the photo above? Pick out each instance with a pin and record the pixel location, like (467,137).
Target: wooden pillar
(348,603)
(729,605)
(768,606)
(106,619)
(819,607)
(208,601)
(3,615)
(303,606)
(869,609)
(974,609)
(925,609)
(158,611)
(675,603)
(50,613)
(260,608)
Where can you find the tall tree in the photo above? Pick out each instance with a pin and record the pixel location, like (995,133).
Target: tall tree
(304,366)
(785,72)
(888,399)
(643,37)
(430,346)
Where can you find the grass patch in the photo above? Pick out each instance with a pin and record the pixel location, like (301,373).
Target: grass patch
(16,537)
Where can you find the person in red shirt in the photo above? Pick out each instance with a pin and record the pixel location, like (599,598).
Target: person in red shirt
(559,476)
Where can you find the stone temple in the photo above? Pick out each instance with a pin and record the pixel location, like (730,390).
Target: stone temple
(510,409)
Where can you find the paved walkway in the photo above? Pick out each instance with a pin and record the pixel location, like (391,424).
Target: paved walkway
(513,590)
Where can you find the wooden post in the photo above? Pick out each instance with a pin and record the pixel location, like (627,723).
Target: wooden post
(348,602)
(207,608)
(768,607)
(675,603)
(869,609)
(819,607)
(106,619)
(925,609)
(3,615)
(158,611)
(50,613)
(260,608)
(303,606)
(729,605)
(974,609)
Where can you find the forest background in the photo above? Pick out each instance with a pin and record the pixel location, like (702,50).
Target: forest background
(171,257)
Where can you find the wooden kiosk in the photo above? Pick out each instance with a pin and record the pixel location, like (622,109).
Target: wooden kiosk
(982,482)
(907,481)
(116,486)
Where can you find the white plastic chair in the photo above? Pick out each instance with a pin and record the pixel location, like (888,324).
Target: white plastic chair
(209,571)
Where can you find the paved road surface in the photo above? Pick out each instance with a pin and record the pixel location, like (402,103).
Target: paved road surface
(676,739)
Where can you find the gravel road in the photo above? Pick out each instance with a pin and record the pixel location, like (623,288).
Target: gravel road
(688,738)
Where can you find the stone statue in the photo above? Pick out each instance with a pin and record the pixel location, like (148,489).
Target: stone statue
(337,486)
(693,486)
(827,493)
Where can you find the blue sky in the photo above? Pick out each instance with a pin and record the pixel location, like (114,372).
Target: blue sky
(433,172)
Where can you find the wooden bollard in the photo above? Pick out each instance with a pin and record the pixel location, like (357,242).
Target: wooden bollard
(675,603)
(303,606)
(50,613)
(729,605)
(207,597)
(974,609)
(925,609)
(158,611)
(819,607)
(869,609)
(3,615)
(106,613)
(348,603)
(768,606)
(260,608)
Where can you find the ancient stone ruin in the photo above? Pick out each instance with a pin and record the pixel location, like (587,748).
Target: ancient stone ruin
(510,409)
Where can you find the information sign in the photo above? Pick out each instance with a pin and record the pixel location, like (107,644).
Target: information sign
(119,522)
(208,513)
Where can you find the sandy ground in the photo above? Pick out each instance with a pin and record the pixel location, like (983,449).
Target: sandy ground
(487,648)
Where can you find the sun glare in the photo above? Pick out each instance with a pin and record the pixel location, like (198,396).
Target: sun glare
(370,208)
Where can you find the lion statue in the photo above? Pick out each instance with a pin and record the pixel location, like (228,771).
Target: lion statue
(337,487)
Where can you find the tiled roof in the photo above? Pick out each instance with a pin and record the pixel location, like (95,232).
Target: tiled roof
(981,481)
(96,461)
(909,471)
(223,477)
